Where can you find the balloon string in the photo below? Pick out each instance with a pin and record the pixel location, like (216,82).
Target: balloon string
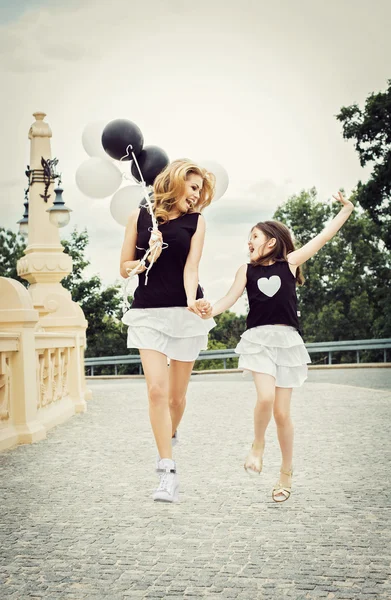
(145,190)
(154,221)
(151,251)
(129,152)
(154,248)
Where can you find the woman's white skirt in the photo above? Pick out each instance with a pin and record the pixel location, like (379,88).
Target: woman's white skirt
(174,331)
(277,350)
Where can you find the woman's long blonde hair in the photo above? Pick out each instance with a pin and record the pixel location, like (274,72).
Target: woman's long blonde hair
(169,187)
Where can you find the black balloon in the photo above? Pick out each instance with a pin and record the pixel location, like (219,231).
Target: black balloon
(118,135)
(152,160)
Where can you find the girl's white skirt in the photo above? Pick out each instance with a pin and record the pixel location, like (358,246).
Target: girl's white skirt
(174,331)
(277,350)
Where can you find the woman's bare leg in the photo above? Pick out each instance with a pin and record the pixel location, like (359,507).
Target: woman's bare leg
(179,377)
(156,376)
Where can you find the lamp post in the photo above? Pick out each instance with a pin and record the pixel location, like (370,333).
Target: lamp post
(59,213)
(24,221)
(44,263)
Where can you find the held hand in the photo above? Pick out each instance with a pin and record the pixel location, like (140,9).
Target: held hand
(207,314)
(201,307)
(205,307)
(340,198)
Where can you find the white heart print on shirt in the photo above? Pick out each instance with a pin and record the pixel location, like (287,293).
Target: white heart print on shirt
(270,286)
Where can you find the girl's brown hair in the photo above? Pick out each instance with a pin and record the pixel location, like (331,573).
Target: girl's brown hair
(169,187)
(283,246)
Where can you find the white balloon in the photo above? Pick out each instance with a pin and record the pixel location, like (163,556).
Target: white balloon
(124,201)
(98,177)
(219,172)
(92,139)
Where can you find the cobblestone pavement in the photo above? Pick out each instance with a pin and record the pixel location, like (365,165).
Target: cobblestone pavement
(78,522)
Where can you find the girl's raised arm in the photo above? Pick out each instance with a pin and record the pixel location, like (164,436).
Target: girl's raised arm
(300,256)
(233,294)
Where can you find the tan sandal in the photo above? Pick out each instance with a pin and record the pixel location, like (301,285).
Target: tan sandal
(253,463)
(282,490)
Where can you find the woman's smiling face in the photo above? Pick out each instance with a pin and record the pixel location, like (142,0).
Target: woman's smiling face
(193,187)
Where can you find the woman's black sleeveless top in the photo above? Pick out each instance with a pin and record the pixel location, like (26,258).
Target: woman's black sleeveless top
(165,287)
(271,292)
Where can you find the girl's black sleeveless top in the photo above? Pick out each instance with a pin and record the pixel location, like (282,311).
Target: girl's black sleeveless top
(165,287)
(271,292)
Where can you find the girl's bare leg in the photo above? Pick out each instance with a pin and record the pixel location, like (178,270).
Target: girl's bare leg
(285,431)
(265,386)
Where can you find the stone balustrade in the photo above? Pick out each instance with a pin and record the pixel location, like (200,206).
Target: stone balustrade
(41,372)
(9,344)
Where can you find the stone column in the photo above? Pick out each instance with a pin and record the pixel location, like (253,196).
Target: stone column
(45,264)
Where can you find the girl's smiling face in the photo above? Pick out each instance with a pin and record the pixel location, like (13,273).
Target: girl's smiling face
(258,244)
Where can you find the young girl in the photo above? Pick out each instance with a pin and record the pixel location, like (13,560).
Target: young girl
(162,320)
(271,347)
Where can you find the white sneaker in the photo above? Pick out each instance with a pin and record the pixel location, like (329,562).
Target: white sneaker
(168,490)
(174,442)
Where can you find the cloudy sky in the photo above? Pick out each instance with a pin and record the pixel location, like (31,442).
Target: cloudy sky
(254,85)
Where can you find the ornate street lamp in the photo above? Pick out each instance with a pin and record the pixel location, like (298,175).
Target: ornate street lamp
(59,213)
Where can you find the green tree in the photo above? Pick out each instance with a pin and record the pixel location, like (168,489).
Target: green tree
(225,334)
(76,246)
(106,336)
(208,365)
(347,292)
(228,330)
(371,130)
(12,246)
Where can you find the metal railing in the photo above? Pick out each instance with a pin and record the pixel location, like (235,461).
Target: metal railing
(224,354)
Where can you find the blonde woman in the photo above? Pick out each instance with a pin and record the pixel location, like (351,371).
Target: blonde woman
(164,317)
